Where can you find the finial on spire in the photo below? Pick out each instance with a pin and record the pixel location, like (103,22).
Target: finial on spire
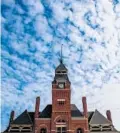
(61,60)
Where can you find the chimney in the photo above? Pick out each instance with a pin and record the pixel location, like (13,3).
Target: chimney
(37,107)
(84,107)
(11,117)
(108,113)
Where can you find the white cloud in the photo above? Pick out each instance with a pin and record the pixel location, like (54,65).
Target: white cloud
(31,47)
(111,100)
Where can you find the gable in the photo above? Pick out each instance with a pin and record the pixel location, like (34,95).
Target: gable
(98,118)
(23,118)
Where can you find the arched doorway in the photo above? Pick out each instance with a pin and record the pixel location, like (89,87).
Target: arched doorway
(79,130)
(43,130)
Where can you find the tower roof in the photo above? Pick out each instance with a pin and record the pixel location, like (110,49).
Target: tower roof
(61,73)
(61,67)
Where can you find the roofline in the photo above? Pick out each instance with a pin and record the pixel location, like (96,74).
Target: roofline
(100,124)
(42,118)
(79,118)
(92,117)
(17,125)
(29,117)
(103,116)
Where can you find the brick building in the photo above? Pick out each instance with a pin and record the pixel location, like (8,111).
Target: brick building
(61,116)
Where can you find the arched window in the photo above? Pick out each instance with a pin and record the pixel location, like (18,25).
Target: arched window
(61,121)
(43,130)
(79,130)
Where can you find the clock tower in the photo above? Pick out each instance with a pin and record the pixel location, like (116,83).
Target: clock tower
(61,95)
(61,90)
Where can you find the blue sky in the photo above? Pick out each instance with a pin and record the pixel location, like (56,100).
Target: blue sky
(32,34)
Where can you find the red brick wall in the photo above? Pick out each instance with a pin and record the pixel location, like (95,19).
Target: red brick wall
(61,94)
(42,123)
(72,124)
(83,124)
(61,112)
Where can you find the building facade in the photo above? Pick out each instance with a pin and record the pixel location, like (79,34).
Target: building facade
(61,116)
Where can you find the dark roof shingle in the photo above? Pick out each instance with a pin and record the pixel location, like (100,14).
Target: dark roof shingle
(23,118)
(61,67)
(98,118)
(75,111)
(93,117)
(46,113)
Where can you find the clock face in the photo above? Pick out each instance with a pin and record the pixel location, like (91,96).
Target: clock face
(61,85)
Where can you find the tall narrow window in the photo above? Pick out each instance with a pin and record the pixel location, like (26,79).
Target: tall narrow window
(61,130)
(43,130)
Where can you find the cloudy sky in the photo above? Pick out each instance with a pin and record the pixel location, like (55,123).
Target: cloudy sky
(32,34)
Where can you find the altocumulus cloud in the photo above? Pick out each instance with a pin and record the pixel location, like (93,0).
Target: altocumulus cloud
(32,33)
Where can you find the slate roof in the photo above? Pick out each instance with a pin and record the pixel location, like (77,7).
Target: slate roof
(62,77)
(28,117)
(98,118)
(61,74)
(75,111)
(46,113)
(61,67)
(23,118)
(93,117)
(31,114)
(90,114)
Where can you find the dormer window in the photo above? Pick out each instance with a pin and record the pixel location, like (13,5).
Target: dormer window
(61,72)
(64,72)
(58,72)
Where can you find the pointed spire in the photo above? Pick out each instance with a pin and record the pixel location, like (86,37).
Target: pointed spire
(61,57)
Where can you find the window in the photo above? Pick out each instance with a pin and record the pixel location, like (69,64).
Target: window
(26,129)
(14,129)
(61,102)
(106,128)
(64,72)
(61,121)
(43,130)
(61,126)
(61,129)
(79,130)
(95,128)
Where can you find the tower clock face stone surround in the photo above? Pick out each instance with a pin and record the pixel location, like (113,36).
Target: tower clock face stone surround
(61,85)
